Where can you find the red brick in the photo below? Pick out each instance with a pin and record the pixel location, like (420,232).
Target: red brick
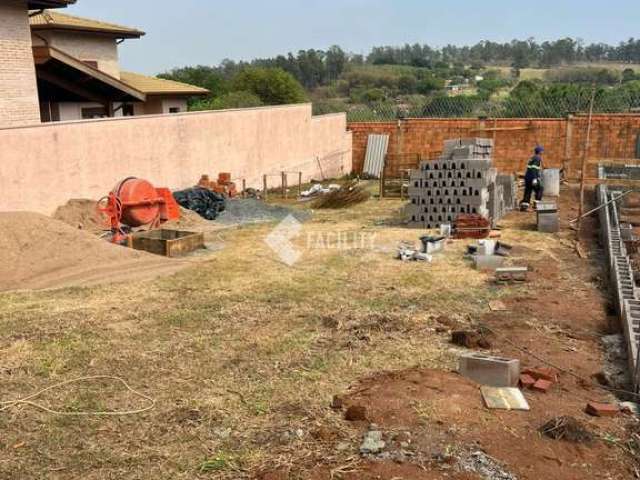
(542,386)
(602,409)
(527,381)
(542,373)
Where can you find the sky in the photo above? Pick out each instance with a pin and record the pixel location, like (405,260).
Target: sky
(204,32)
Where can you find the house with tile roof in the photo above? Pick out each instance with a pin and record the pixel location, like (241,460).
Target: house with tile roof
(18,87)
(79,75)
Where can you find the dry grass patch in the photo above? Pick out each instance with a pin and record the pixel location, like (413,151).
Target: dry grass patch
(241,352)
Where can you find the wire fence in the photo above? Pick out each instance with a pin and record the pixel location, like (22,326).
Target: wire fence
(473,106)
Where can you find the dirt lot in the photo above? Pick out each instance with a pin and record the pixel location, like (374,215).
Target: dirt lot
(243,355)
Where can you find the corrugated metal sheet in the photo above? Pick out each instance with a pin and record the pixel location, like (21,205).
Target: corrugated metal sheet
(377,146)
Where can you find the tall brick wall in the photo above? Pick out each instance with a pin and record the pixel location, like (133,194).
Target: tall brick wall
(18,89)
(612,136)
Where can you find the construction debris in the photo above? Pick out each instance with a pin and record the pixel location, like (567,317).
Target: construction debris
(486,467)
(346,196)
(318,189)
(408,253)
(372,443)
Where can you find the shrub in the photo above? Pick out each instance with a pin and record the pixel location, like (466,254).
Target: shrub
(273,86)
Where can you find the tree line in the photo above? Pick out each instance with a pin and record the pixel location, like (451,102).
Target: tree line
(292,77)
(517,53)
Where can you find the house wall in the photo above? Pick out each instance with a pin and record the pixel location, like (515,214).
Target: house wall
(169,103)
(18,88)
(70,111)
(613,136)
(157,105)
(44,166)
(84,46)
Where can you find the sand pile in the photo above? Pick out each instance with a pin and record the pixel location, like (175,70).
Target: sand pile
(39,252)
(189,220)
(81,214)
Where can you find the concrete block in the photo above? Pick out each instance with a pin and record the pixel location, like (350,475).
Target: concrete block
(486,247)
(488,262)
(491,371)
(548,222)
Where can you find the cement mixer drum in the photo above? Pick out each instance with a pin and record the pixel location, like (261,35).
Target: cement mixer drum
(140,202)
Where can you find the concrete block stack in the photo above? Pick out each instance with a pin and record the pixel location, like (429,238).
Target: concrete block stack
(461,181)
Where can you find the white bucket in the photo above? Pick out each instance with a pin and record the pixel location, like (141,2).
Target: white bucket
(551,182)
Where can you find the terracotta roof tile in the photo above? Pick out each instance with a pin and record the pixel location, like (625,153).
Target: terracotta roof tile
(49,19)
(159,86)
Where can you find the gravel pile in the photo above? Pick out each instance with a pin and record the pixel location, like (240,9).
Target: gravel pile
(251,210)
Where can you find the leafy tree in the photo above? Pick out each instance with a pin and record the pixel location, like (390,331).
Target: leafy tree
(629,75)
(407,84)
(273,86)
(336,60)
(429,85)
(201,76)
(239,99)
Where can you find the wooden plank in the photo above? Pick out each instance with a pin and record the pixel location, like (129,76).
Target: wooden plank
(169,243)
(184,245)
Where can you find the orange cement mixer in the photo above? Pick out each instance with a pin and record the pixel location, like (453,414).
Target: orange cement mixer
(135,203)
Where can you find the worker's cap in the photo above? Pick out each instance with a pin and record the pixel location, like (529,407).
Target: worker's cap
(539,149)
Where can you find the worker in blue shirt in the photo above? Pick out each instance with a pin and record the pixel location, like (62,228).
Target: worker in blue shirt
(533,179)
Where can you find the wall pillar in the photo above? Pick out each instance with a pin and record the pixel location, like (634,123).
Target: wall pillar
(19,103)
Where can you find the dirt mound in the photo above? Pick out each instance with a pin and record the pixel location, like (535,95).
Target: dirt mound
(38,252)
(81,214)
(442,410)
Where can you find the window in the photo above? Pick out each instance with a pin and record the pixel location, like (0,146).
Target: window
(174,110)
(94,112)
(127,110)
